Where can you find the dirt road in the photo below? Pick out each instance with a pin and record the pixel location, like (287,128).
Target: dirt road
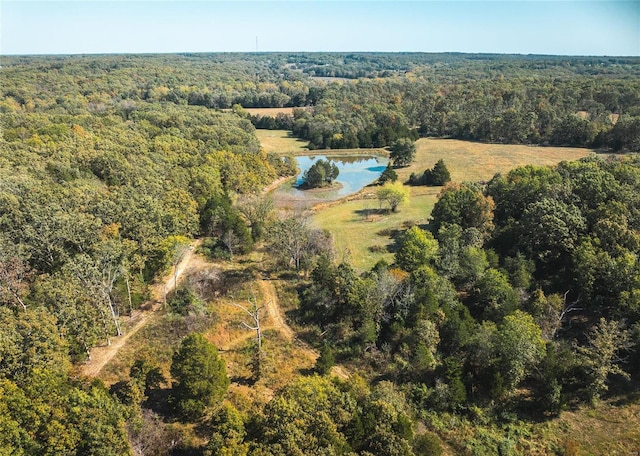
(100,356)
(278,322)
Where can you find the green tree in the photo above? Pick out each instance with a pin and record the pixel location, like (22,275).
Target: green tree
(393,194)
(465,206)
(320,174)
(403,152)
(325,361)
(520,347)
(228,434)
(437,176)
(388,175)
(308,416)
(201,376)
(493,296)
(417,248)
(600,356)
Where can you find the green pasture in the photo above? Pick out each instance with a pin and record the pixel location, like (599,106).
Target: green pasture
(364,237)
(363,234)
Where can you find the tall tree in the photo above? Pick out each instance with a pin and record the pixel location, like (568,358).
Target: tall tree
(417,248)
(601,355)
(201,376)
(403,151)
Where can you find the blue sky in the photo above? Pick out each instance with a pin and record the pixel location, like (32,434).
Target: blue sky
(524,27)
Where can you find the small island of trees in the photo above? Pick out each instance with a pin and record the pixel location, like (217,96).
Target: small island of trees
(321,174)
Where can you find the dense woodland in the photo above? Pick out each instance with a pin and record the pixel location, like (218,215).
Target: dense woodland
(519,299)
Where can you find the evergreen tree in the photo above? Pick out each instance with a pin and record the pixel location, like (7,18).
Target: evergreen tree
(201,377)
(388,175)
(437,176)
(403,152)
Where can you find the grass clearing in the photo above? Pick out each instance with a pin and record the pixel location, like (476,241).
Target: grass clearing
(364,240)
(270,112)
(281,142)
(471,161)
(363,235)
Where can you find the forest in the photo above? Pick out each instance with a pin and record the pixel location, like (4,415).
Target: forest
(519,300)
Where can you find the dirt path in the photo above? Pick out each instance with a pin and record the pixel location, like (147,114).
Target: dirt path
(273,309)
(100,356)
(278,322)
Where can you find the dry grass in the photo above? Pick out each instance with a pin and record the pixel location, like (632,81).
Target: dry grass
(470,161)
(285,358)
(606,429)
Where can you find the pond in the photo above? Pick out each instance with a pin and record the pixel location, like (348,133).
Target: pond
(356,172)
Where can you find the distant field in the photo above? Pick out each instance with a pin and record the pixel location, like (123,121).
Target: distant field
(470,161)
(281,142)
(269,112)
(356,235)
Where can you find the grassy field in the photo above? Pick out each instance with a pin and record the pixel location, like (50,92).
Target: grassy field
(363,236)
(281,142)
(470,161)
(365,240)
(269,112)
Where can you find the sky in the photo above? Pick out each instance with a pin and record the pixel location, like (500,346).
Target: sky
(563,27)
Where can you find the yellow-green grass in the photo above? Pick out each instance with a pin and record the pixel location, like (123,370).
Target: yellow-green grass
(361,234)
(357,237)
(470,161)
(269,112)
(281,142)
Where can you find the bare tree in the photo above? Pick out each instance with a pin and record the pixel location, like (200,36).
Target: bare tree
(230,241)
(256,209)
(179,250)
(253,311)
(14,273)
(293,241)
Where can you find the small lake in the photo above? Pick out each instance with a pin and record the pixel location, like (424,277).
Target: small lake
(356,172)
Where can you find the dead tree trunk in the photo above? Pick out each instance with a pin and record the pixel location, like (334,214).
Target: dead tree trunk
(254,312)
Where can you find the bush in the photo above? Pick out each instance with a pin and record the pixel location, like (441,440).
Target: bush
(184,301)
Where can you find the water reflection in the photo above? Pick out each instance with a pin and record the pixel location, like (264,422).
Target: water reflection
(356,171)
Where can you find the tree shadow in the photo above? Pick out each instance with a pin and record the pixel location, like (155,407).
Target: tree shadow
(372,211)
(159,401)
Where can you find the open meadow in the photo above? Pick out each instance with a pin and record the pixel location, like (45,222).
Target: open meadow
(270,112)
(363,235)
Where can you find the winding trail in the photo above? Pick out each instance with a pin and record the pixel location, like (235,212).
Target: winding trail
(278,322)
(100,356)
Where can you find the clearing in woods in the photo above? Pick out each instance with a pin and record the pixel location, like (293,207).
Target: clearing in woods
(466,161)
(270,112)
(281,142)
